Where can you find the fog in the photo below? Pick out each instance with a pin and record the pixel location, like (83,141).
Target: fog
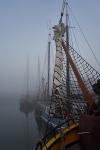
(24,28)
(24,32)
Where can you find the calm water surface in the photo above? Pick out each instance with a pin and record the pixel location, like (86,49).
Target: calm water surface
(17,130)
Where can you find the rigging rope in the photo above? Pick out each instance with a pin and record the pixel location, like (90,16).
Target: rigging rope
(88,74)
(88,44)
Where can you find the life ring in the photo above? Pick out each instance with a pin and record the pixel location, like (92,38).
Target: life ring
(38,146)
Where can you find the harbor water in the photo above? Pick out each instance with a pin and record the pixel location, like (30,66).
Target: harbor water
(18,131)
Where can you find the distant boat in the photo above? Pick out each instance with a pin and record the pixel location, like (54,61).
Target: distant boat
(26,104)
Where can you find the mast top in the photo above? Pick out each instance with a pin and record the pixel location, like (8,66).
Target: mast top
(59,31)
(65,3)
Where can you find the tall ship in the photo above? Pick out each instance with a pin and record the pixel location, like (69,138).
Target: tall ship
(26,101)
(73,108)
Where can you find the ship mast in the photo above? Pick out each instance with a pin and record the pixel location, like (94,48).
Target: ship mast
(65,5)
(39,74)
(27,69)
(49,43)
(67,46)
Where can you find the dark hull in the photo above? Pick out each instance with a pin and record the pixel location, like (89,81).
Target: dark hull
(90,132)
(26,107)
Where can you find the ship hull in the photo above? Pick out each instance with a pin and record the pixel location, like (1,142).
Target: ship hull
(90,132)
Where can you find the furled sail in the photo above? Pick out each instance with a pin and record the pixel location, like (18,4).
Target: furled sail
(58,97)
(59,31)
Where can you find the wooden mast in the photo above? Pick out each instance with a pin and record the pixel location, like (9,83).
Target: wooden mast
(67,45)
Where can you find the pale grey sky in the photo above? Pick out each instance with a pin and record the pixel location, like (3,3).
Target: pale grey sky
(24,31)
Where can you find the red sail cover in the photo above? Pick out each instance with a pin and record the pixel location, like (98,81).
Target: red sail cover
(90,132)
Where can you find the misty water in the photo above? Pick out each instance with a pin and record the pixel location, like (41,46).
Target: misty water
(17,130)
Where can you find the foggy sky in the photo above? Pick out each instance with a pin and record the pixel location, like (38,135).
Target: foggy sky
(24,26)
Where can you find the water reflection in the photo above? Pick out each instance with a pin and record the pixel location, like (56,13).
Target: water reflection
(27,108)
(27,132)
(18,130)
